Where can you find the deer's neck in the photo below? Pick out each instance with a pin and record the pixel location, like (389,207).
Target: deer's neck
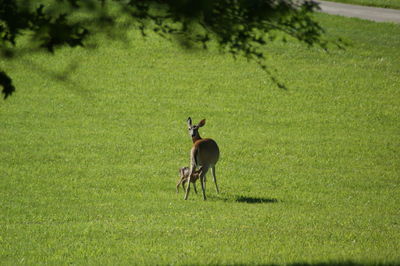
(196,138)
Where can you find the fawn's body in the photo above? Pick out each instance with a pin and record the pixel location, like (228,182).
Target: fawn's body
(184,178)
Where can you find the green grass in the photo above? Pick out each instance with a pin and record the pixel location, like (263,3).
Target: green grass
(89,161)
(375,3)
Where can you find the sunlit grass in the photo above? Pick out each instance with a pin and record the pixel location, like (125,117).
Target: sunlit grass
(89,159)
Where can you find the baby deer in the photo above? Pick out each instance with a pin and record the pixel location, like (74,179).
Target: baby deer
(184,177)
(204,154)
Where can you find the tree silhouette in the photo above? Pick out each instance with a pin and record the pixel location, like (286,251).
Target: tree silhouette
(239,27)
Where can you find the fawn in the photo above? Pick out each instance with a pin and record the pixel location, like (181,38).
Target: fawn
(184,177)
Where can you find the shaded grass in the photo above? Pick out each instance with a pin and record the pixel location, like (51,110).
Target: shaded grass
(89,162)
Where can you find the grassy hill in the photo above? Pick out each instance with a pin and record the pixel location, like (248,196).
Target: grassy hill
(91,143)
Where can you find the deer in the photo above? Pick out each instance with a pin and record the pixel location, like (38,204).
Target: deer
(184,177)
(204,154)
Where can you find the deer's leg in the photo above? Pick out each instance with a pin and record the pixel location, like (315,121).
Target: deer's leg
(203,187)
(203,181)
(214,178)
(203,171)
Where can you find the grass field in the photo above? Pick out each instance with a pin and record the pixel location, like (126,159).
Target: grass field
(89,160)
(375,3)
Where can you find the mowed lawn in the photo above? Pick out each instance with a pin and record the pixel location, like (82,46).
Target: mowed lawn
(91,144)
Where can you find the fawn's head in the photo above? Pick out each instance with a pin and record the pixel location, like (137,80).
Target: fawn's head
(194,129)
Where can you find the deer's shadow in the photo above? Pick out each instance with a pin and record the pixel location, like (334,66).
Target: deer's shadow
(253,200)
(244,199)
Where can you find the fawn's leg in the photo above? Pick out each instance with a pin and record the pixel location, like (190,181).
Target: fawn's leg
(178,184)
(189,179)
(183,184)
(194,187)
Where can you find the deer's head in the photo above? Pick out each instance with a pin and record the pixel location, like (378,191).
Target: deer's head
(194,129)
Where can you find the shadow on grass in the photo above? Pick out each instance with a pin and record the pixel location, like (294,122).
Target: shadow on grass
(255,200)
(242,199)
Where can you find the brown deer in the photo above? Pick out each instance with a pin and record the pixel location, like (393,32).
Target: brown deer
(204,154)
(184,178)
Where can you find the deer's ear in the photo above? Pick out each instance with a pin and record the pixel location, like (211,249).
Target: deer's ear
(202,123)
(189,122)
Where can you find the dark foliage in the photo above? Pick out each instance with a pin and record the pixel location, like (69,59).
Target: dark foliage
(6,83)
(239,27)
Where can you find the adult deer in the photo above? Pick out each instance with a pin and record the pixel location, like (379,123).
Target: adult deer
(204,154)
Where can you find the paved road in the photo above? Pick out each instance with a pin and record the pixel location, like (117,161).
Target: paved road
(363,12)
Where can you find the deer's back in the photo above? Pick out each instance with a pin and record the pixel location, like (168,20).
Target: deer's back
(206,152)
